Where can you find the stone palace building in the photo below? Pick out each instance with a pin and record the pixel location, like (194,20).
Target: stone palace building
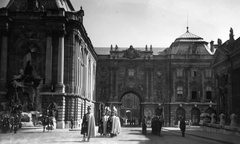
(46,40)
(46,56)
(179,78)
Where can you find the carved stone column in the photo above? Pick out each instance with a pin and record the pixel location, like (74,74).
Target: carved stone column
(48,71)
(152,84)
(147,87)
(77,65)
(111,84)
(60,87)
(116,85)
(85,72)
(4,54)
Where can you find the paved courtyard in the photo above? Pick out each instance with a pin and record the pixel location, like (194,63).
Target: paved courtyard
(130,135)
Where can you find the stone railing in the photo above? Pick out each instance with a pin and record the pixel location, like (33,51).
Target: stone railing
(224,129)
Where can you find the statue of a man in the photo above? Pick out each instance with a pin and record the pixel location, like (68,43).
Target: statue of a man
(233,118)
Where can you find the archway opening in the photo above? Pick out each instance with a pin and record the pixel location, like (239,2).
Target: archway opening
(195,116)
(180,113)
(130,109)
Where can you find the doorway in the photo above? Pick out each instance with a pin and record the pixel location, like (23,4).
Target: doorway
(130,110)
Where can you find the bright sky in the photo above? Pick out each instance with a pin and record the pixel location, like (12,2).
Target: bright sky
(156,22)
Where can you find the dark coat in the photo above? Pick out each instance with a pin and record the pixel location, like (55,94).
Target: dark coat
(182,125)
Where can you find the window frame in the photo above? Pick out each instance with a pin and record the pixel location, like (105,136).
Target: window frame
(179,92)
(208,90)
(194,89)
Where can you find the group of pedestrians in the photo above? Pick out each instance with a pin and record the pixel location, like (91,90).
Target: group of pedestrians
(109,124)
(157,123)
(9,124)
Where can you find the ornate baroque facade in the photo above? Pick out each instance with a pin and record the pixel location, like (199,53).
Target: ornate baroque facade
(226,64)
(180,78)
(50,34)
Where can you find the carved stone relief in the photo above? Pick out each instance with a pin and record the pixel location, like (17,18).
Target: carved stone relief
(131,53)
(159,84)
(103,72)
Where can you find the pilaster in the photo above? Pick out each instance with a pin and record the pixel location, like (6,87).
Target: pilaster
(60,87)
(4,57)
(60,99)
(48,64)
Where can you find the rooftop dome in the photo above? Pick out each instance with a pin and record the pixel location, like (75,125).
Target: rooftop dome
(188,37)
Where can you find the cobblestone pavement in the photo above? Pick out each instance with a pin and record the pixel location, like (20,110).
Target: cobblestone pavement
(130,135)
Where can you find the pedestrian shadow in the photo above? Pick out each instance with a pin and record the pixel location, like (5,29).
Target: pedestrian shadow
(135,133)
(101,137)
(66,142)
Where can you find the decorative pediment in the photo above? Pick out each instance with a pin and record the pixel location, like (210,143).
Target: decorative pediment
(179,83)
(131,53)
(208,83)
(194,84)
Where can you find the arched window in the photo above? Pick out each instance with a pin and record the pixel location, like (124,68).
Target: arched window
(208,92)
(194,93)
(179,92)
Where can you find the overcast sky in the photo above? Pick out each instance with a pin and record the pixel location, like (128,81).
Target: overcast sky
(156,22)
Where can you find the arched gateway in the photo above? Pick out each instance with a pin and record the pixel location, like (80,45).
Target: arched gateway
(130,109)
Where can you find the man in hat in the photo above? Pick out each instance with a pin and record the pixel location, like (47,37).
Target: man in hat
(88,125)
(182,126)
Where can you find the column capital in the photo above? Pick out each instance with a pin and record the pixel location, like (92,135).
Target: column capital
(60,88)
(59,33)
(49,33)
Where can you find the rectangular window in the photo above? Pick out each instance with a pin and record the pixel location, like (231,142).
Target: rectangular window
(130,72)
(209,93)
(194,95)
(194,73)
(180,92)
(208,73)
(179,72)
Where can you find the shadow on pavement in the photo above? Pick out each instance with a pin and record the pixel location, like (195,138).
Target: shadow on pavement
(66,142)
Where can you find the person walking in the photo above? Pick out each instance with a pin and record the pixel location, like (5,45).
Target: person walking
(144,125)
(183,126)
(72,122)
(88,125)
(159,125)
